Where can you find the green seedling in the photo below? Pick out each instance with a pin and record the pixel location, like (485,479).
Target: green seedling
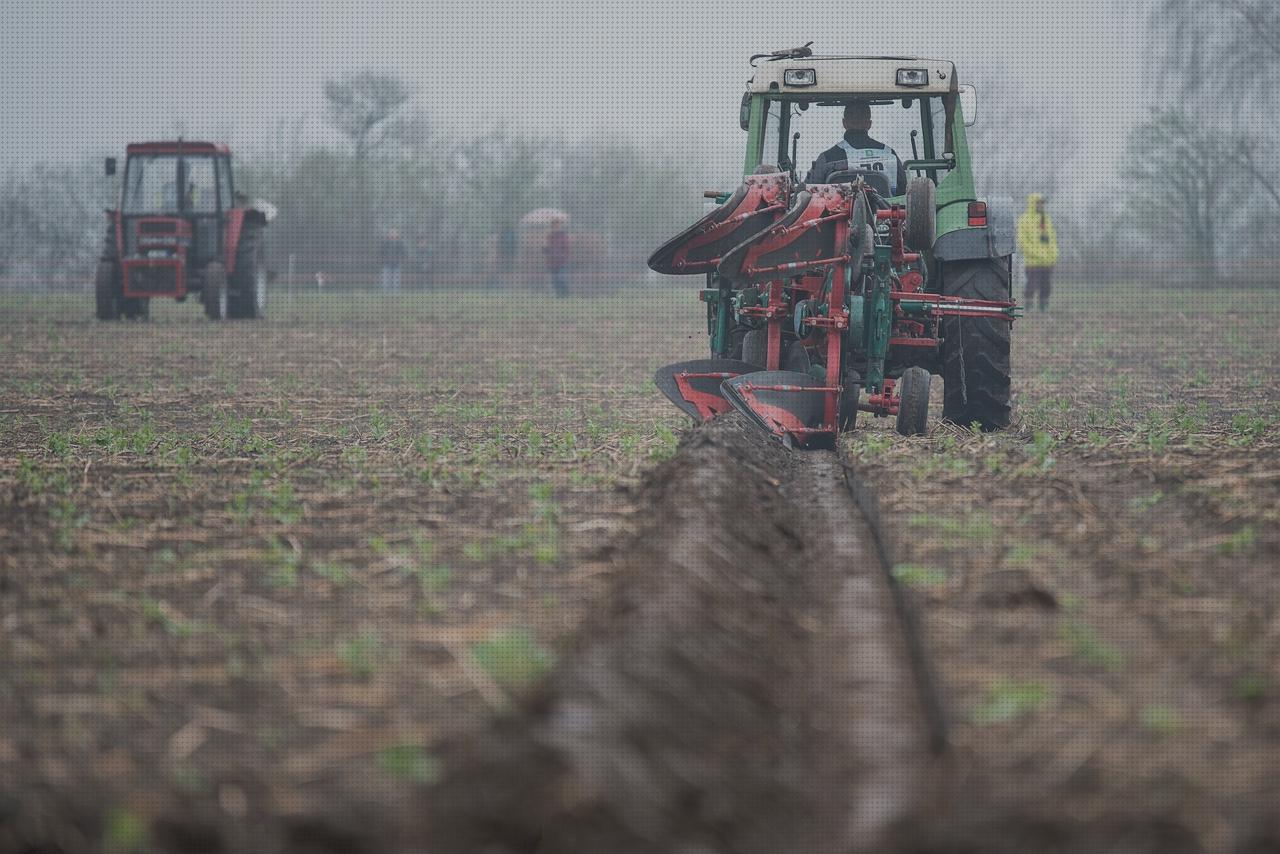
(160,613)
(1143,503)
(976,527)
(514,658)
(1041,450)
(1088,647)
(1238,543)
(335,573)
(1252,687)
(1161,721)
(1007,699)
(282,561)
(124,832)
(914,575)
(410,762)
(361,654)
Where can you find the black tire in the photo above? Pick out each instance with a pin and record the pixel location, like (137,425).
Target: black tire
(913,402)
(864,246)
(975,351)
(755,347)
(137,308)
(106,288)
(247,298)
(922,214)
(215,296)
(849,400)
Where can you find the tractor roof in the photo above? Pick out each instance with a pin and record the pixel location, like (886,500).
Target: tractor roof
(177,147)
(853,75)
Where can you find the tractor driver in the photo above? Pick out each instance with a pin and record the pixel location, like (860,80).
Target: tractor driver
(860,151)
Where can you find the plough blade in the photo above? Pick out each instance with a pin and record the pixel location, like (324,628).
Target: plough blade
(802,240)
(788,404)
(753,207)
(695,386)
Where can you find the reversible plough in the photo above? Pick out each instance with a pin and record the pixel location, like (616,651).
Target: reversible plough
(819,308)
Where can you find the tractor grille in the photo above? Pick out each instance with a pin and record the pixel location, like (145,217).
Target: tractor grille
(158,279)
(168,226)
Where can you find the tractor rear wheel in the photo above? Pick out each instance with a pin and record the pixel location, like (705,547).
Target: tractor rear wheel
(106,286)
(913,401)
(247,298)
(215,292)
(975,351)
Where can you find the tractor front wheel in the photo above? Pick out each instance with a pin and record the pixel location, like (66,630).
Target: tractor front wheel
(215,292)
(913,401)
(975,351)
(137,308)
(106,287)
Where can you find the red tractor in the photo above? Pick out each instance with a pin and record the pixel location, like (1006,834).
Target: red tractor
(181,228)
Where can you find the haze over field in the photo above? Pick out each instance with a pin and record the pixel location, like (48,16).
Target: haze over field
(89,77)
(1140,120)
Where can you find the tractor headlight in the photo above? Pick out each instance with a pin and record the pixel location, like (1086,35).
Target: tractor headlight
(913,77)
(800,77)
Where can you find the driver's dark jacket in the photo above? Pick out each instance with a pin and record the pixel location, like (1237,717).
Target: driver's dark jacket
(858,139)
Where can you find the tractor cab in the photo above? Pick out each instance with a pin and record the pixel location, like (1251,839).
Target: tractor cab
(173,203)
(180,228)
(796,110)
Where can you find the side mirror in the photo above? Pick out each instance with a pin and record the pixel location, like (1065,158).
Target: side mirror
(109,166)
(744,111)
(969,104)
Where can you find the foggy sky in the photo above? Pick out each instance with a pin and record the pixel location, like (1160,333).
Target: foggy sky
(85,78)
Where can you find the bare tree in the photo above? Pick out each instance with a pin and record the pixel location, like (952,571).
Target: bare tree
(367,108)
(51,218)
(1223,63)
(1182,190)
(1226,49)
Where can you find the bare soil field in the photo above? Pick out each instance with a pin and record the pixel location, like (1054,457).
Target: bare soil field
(274,586)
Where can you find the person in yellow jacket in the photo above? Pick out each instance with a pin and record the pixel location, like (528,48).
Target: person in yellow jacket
(1038,243)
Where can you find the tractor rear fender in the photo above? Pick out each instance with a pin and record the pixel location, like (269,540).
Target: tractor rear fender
(970,244)
(231,231)
(973,244)
(996,240)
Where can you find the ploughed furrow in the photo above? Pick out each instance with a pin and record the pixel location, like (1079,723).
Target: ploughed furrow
(743,689)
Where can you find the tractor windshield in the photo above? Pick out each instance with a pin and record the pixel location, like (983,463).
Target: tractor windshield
(152,184)
(911,129)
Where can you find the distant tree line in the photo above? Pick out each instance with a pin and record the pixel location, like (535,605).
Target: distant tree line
(454,198)
(1195,196)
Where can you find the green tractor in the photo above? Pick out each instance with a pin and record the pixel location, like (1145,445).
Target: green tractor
(846,286)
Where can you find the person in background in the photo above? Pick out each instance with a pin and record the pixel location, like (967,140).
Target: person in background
(392,255)
(557,255)
(1038,243)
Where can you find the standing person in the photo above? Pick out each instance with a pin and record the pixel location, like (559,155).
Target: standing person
(392,254)
(557,254)
(1038,243)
